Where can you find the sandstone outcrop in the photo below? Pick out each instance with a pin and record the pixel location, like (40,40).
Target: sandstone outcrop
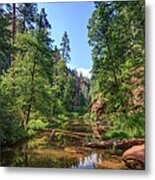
(134,157)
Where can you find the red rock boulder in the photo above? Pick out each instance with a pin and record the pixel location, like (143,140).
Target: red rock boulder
(134,157)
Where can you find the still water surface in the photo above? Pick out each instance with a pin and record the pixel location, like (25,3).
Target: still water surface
(64,149)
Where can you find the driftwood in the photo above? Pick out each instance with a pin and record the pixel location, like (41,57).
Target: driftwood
(120,144)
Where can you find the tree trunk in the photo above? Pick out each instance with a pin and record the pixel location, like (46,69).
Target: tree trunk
(13,27)
(28,115)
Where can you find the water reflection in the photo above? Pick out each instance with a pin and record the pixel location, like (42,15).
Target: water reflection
(63,150)
(87,162)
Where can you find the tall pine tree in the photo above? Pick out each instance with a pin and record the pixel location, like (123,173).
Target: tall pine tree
(65,48)
(26,16)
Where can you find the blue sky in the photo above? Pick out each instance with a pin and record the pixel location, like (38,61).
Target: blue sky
(73,18)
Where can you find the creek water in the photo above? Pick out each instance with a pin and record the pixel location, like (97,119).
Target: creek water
(63,149)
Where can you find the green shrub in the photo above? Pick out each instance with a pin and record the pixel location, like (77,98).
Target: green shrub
(132,125)
(119,134)
(93,116)
(75,115)
(11,132)
(37,124)
(86,116)
(61,118)
(81,110)
(31,132)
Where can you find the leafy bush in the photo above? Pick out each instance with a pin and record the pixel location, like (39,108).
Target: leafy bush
(62,118)
(11,132)
(75,115)
(81,110)
(126,125)
(119,134)
(86,116)
(31,132)
(93,116)
(60,121)
(37,124)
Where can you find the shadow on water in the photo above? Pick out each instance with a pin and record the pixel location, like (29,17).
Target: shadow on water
(63,150)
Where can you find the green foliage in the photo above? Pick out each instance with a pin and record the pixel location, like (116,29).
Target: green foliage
(5,40)
(116,34)
(58,84)
(114,30)
(37,124)
(11,132)
(65,47)
(125,126)
(69,93)
(61,121)
(27,15)
(11,129)
(93,116)
(74,115)
(26,84)
(86,116)
(118,134)
(94,89)
(84,92)
(81,109)
(12,136)
(62,118)
(37,85)
(34,93)
(31,132)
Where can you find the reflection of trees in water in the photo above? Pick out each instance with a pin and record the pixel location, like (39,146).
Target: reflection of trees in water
(18,159)
(7,158)
(25,157)
(53,162)
(62,150)
(64,140)
(14,158)
(89,161)
(53,159)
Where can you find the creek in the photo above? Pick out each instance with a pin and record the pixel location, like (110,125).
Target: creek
(63,149)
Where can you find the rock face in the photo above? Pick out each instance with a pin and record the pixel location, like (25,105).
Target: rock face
(98,124)
(134,157)
(137,91)
(98,108)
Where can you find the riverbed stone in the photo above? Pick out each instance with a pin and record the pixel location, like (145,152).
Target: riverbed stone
(134,157)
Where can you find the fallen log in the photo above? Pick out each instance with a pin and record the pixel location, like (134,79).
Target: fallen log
(120,144)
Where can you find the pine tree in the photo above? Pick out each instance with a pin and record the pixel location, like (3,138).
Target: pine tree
(26,16)
(69,93)
(44,26)
(59,81)
(65,48)
(5,40)
(43,21)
